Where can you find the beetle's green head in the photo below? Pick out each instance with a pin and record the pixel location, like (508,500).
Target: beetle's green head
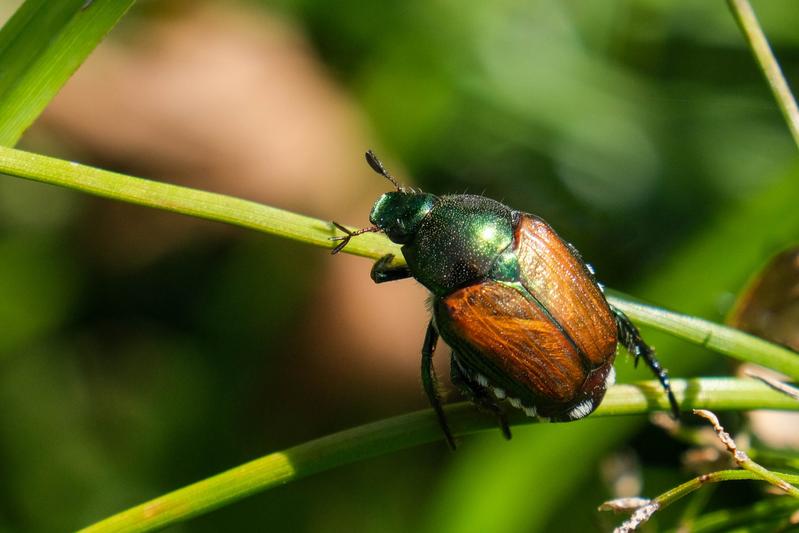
(400,213)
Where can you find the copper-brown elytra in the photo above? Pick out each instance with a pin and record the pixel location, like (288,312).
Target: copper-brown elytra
(526,320)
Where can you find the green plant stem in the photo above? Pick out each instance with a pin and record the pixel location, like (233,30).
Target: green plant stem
(671,496)
(721,339)
(409,430)
(187,201)
(252,215)
(746,19)
(646,508)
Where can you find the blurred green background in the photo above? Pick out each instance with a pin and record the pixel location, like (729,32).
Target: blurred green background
(141,351)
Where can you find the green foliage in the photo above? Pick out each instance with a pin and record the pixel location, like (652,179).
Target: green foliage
(689,163)
(393,434)
(40,48)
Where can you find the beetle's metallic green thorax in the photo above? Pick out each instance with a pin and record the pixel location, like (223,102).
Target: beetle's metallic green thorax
(458,242)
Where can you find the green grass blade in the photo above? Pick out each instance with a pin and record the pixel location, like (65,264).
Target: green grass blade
(41,46)
(753,33)
(720,339)
(185,200)
(408,430)
(252,215)
(21,37)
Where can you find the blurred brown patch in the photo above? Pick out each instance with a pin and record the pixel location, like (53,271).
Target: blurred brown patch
(220,98)
(769,308)
(230,99)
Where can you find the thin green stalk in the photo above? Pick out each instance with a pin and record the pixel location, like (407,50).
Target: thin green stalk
(746,19)
(672,495)
(187,201)
(310,230)
(643,509)
(409,430)
(721,339)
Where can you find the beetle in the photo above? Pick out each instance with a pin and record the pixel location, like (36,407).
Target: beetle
(527,321)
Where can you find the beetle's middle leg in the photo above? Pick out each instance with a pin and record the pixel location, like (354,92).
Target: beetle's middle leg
(430,383)
(630,338)
(383,270)
(478,395)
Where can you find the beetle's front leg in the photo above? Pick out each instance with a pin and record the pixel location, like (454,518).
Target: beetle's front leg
(430,383)
(630,338)
(479,395)
(383,270)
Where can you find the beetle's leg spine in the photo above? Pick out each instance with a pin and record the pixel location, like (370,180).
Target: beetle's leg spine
(382,271)
(430,382)
(630,337)
(478,392)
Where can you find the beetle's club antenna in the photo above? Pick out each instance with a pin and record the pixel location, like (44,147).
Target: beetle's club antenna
(378,167)
(349,235)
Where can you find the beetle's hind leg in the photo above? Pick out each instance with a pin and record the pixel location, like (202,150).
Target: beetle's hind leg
(430,382)
(630,338)
(478,395)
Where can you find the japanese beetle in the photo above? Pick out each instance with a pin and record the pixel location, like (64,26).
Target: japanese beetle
(526,319)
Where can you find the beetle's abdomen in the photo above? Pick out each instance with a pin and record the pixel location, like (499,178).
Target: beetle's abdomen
(562,284)
(500,333)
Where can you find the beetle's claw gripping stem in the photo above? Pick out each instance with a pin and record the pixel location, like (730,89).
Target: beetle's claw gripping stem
(630,338)
(343,240)
(349,234)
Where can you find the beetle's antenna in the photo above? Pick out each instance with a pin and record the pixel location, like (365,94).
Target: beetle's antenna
(349,235)
(378,167)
